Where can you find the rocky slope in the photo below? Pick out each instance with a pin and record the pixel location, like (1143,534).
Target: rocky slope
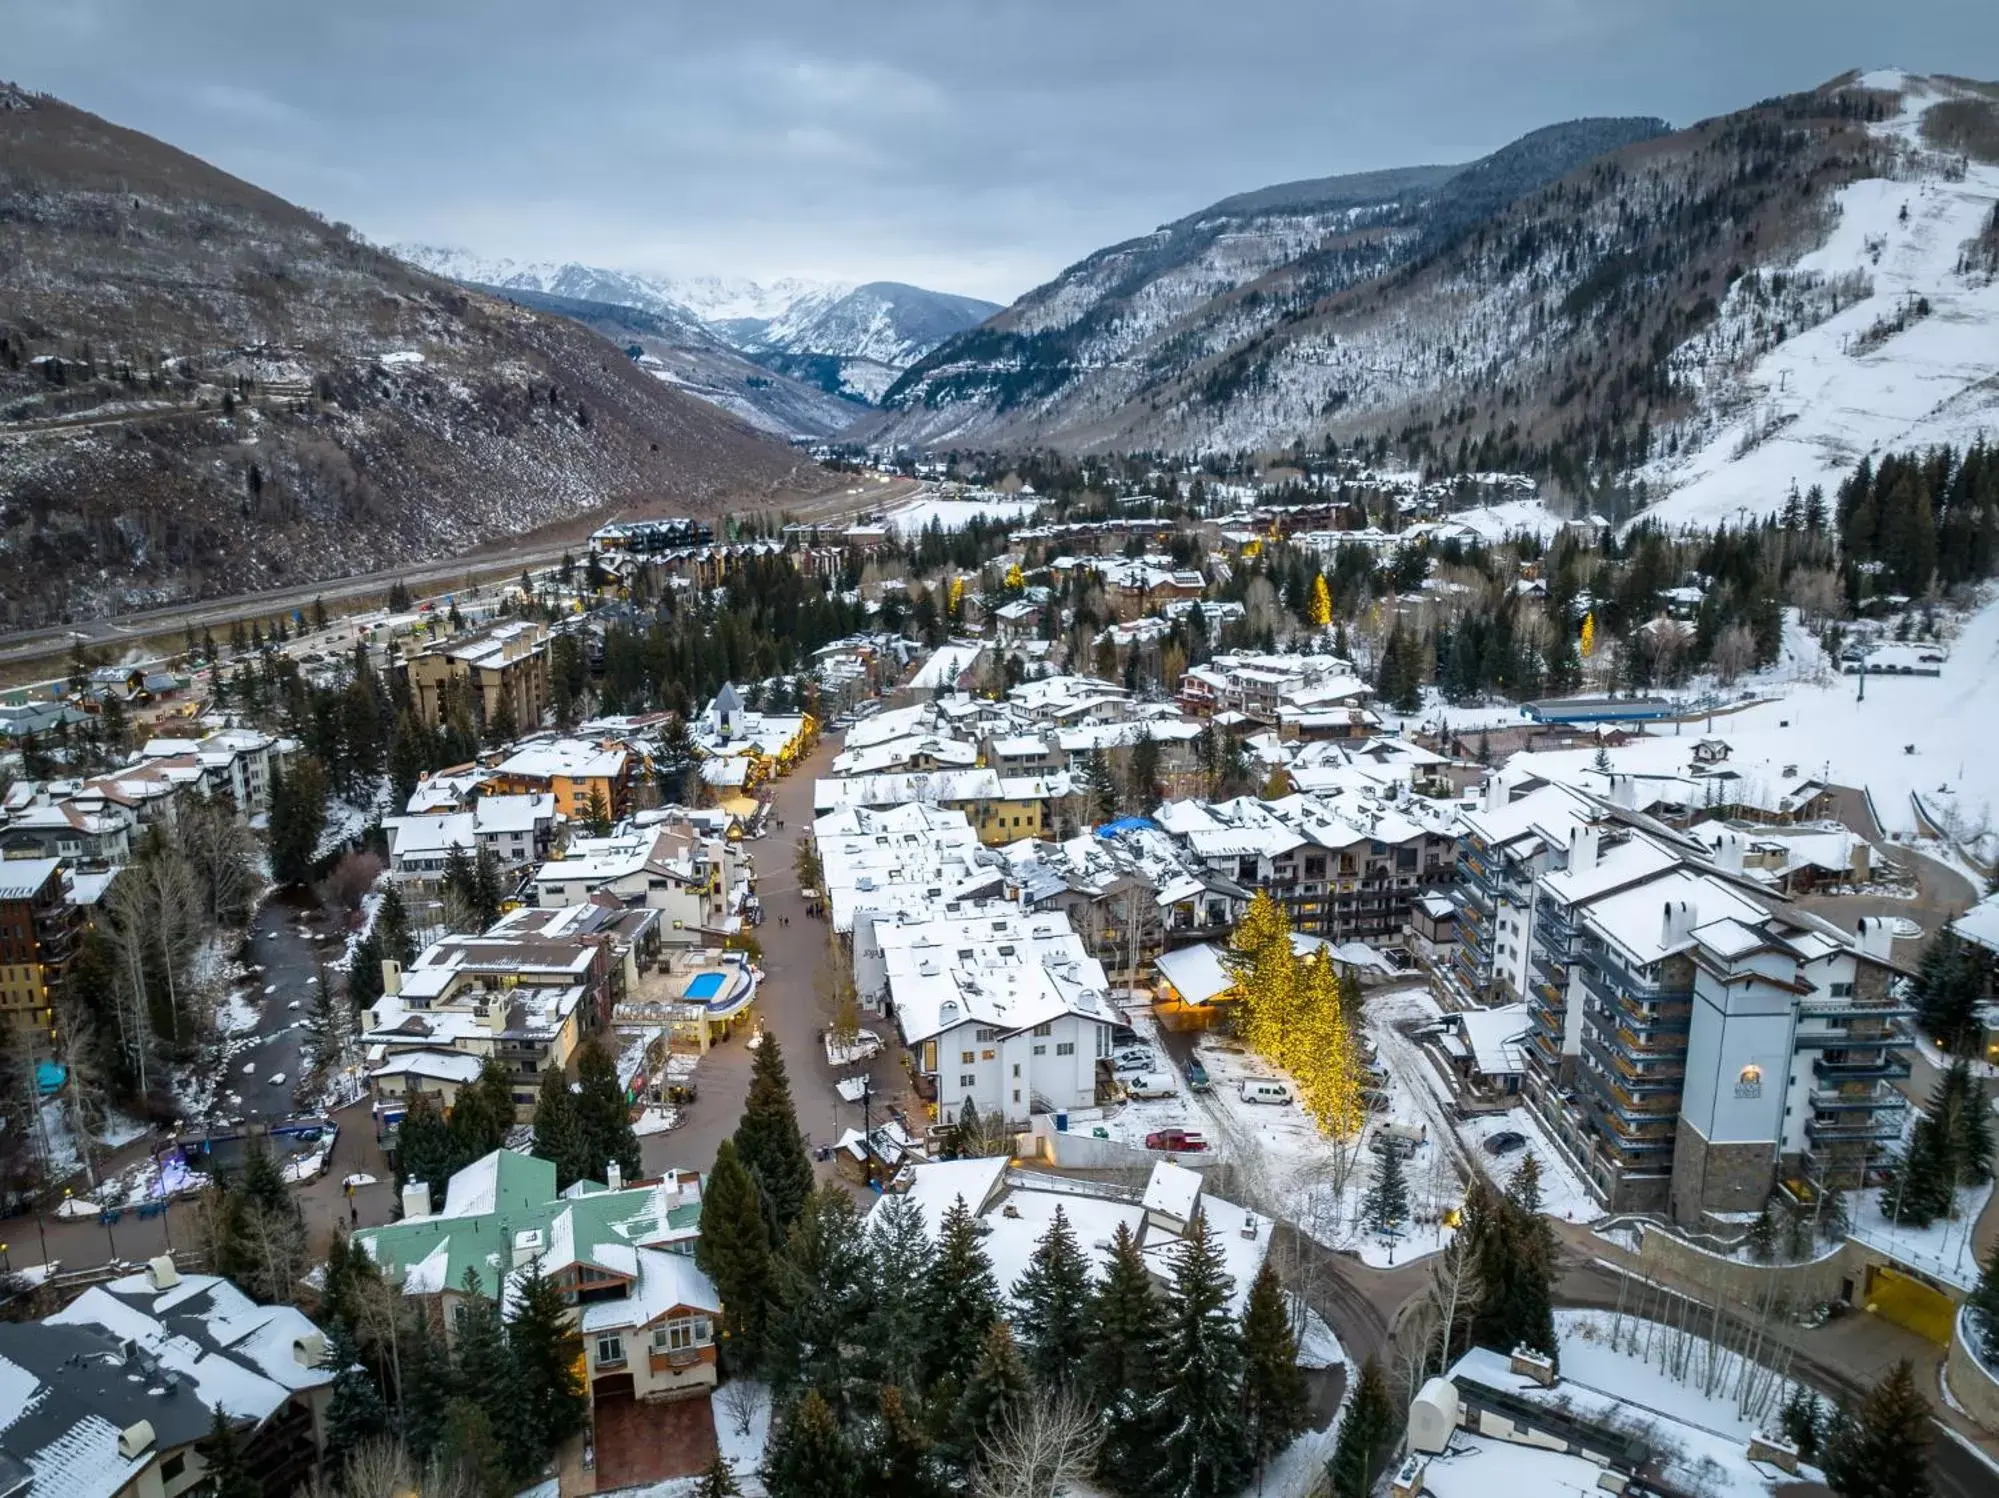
(205,389)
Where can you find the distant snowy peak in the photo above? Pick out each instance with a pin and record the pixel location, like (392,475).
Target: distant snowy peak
(883,322)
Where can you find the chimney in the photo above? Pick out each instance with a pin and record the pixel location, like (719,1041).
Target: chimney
(392,976)
(1876,936)
(1531,1364)
(1680,919)
(416,1199)
(309,1350)
(1585,846)
(614,1177)
(1728,852)
(161,1274)
(135,1440)
(1623,792)
(1495,793)
(1775,1450)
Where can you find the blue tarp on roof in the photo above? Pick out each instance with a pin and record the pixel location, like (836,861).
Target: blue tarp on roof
(1126,824)
(49,1077)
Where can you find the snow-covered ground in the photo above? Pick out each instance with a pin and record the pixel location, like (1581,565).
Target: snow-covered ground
(1943,1249)
(951,515)
(1563,1193)
(1834,392)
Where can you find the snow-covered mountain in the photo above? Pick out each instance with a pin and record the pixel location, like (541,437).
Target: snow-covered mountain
(884,322)
(861,337)
(1694,319)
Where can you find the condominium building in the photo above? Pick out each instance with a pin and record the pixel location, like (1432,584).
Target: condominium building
(39,931)
(1695,1041)
(507,663)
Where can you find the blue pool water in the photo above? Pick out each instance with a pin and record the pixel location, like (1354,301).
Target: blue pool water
(705,986)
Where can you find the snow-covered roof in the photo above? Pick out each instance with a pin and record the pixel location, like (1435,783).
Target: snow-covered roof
(1173,1191)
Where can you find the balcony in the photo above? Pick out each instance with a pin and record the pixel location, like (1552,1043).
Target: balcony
(1616,976)
(1664,1076)
(1847,1099)
(1824,1006)
(1853,1126)
(1875,1066)
(662,1361)
(1552,926)
(1551,971)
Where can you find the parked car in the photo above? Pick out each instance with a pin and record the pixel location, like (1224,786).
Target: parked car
(1265,1090)
(1505,1142)
(1131,1066)
(1147,1084)
(1374,1099)
(1398,1136)
(1123,1037)
(1132,1058)
(1180,1141)
(1197,1077)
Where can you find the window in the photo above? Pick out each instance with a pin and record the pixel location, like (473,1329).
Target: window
(985,1035)
(1043,1029)
(173,1466)
(1064,1048)
(1016,1068)
(682,1334)
(987,1055)
(1842,990)
(610,1349)
(966,1058)
(1040,1050)
(968,1080)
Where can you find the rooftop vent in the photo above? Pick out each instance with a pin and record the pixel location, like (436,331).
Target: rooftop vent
(135,1439)
(161,1274)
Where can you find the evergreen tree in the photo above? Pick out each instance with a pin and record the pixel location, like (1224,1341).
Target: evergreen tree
(901,1460)
(482,1114)
(221,1452)
(468,1450)
(392,927)
(426,1390)
(819,1315)
(558,1138)
(542,1347)
(297,819)
(808,1456)
(1804,1422)
(487,889)
(597,814)
(734,1251)
(1367,1436)
(1984,1304)
(1120,1373)
(1948,990)
(717,1480)
(603,1116)
(364,974)
(483,1367)
(1884,1451)
(460,884)
(999,1382)
(1524,1189)
(328,1027)
(1204,1449)
(355,1413)
(1052,1304)
(1099,785)
(1276,1404)
(1513,1252)
(900,1255)
(423,1146)
(1763,1236)
(960,1296)
(1386,1206)
(769,1142)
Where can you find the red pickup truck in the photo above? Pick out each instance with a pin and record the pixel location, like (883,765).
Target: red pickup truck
(1179,1141)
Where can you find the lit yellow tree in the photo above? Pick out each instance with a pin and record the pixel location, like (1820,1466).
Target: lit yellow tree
(1320,1052)
(1589,636)
(1015,578)
(1260,961)
(1322,602)
(954,603)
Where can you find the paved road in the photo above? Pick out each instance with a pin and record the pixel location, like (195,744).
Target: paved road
(789,1006)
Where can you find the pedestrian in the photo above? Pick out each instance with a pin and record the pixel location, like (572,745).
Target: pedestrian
(353,1211)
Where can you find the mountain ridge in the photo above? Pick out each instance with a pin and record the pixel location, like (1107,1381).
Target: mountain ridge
(205,388)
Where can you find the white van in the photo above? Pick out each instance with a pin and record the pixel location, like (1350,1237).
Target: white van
(1265,1090)
(1150,1084)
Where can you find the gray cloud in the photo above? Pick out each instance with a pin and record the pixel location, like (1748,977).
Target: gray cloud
(970,145)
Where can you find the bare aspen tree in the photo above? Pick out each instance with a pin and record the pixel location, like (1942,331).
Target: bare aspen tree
(1042,1447)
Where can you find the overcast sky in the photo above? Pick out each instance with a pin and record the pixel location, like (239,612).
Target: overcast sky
(968,145)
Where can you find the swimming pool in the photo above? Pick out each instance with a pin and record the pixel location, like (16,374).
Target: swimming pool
(704,986)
